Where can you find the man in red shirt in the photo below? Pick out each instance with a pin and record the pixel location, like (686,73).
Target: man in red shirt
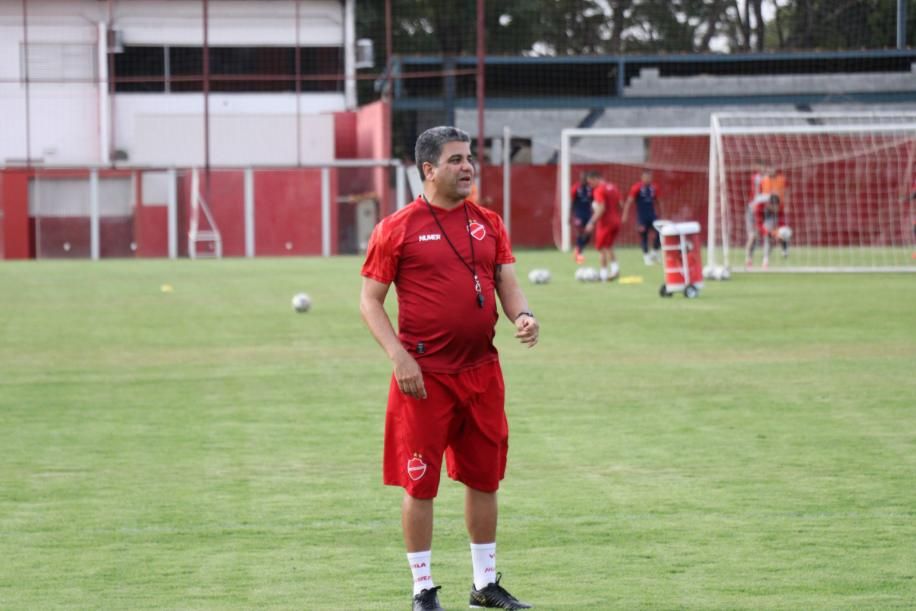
(605,222)
(449,260)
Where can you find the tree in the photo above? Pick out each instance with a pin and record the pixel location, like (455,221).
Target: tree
(585,27)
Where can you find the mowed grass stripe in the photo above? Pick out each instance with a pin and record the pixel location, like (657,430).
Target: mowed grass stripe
(208,448)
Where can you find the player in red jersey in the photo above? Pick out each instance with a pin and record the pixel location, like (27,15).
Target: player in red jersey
(449,260)
(605,223)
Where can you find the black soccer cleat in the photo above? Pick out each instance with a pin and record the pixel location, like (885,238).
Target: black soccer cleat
(494,596)
(427,600)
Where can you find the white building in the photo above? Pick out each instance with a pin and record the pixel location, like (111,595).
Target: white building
(91,82)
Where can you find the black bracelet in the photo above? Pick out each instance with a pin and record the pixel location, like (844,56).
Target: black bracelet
(522,313)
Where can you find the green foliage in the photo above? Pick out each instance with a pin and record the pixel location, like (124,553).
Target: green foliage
(583,27)
(208,448)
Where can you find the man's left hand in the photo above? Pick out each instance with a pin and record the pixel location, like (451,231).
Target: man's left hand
(527,328)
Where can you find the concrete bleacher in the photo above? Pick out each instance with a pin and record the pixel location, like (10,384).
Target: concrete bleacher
(543,126)
(650,83)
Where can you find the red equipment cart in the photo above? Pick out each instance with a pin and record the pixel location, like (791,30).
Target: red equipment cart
(681,257)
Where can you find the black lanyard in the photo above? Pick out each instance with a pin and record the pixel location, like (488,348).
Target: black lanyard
(473,266)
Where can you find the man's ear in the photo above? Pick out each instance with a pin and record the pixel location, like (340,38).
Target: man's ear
(428,169)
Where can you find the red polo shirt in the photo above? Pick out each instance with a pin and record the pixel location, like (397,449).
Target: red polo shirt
(439,320)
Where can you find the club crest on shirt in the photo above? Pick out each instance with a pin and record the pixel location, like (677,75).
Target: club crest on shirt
(477,231)
(416,468)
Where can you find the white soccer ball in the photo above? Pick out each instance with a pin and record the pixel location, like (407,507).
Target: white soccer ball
(723,273)
(709,271)
(302,302)
(539,276)
(784,233)
(587,274)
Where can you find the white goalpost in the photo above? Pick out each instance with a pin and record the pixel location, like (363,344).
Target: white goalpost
(677,155)
(844,183)
(845,186)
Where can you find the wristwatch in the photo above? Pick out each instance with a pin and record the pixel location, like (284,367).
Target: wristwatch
(523,313)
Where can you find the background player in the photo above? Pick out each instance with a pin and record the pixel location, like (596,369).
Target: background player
(581,197)
(753,213)
(605,223)
(648,202)
(774,214)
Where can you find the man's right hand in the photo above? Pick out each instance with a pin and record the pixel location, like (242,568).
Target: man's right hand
(409,376)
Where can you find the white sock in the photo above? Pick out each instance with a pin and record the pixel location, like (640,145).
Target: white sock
(420,567)
(483,559)
(615,269)
(602,273)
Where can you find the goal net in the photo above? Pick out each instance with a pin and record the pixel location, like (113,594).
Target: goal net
(813,191)
(677,157)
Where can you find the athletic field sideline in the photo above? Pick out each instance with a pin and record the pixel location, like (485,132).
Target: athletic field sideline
(208,448)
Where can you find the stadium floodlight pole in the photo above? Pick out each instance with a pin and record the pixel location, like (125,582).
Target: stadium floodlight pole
(206,88)
(103,92)
(507,178)
(25,82)
(389,45)
(349,34)
(481,67)
(298,63)
(110,102)
(901,24)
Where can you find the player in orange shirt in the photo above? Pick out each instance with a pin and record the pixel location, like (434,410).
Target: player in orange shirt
(772,214)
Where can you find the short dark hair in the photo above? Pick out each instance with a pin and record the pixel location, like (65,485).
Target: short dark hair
(592,174)
(430,143)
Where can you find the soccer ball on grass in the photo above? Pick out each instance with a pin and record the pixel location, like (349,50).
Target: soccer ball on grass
(302,302)
(539,276)
(587,274)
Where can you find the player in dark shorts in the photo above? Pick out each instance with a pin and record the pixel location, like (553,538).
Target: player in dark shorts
(581,210)
(646,197)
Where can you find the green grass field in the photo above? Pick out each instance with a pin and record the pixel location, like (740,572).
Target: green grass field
(210,449)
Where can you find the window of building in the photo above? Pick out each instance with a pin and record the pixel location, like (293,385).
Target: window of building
(232,69)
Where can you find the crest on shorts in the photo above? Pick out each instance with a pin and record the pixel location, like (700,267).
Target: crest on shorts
(416,468)
(477,231)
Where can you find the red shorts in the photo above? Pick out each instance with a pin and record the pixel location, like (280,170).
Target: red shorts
(463,416)
(606,235)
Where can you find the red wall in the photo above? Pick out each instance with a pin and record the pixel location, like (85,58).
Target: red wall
(288,214)
(151,228)
(373,141)
(14,201)
(288,210)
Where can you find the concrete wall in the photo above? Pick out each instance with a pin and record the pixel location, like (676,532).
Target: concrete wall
(71,120)
(650,84)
